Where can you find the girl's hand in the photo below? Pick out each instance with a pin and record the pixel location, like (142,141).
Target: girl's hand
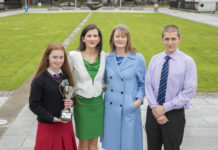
(59,120)
(67,103)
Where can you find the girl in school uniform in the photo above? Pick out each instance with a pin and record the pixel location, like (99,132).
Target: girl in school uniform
(46,101)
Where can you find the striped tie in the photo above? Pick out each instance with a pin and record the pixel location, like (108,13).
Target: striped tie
(163,82)
(57,76)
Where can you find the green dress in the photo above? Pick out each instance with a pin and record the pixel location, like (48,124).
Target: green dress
(89,112)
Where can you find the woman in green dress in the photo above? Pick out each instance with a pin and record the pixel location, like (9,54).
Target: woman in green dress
(88,66)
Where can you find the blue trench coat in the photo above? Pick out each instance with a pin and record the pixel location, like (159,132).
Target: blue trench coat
(122,122)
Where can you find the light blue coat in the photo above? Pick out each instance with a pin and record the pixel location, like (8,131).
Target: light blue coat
(122,122)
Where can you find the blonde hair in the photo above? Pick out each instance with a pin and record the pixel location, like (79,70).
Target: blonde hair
(124,30)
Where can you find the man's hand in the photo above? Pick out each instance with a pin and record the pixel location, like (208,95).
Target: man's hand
(158,110)
(162,119)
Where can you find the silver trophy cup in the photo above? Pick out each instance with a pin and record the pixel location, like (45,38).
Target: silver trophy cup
(67,92)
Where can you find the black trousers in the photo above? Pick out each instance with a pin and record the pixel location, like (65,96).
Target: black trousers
(170,134)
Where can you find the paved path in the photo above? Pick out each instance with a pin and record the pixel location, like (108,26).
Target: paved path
(210,19)
(10,13)
(4,95)
(201,132)
(67,41)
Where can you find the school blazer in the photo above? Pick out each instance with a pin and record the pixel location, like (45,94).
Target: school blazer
(85,85)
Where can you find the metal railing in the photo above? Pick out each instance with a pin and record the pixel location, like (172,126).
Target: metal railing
(188,5)
(184,5)
(13,4)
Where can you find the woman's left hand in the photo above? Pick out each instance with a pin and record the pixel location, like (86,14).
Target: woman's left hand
(67,103)
(137,103)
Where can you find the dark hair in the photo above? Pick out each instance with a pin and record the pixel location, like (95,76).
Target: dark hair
(171,28)
(82,45)
(124,30)
(44,64)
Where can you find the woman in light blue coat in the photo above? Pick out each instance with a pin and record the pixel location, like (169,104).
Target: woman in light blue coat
(124,77)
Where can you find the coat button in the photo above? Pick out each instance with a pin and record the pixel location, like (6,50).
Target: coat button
(121,92)
(121,79)
(112,90)
(121,105)
(111,103)
(110,77)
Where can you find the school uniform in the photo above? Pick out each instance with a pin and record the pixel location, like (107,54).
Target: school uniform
(46,102)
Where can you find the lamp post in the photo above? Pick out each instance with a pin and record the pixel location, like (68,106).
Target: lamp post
(120,3)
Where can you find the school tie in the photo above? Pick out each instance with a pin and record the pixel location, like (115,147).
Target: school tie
(57,76)
(163,81)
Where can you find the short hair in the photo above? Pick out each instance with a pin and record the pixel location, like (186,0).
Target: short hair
(171,28)
(124,30)
(82,45)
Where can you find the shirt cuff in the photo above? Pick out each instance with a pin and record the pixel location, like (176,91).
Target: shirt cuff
(167,106)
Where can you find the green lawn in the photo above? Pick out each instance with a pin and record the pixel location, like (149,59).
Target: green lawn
(198,40)
(23,40)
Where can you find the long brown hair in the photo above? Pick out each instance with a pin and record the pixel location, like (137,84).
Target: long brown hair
(124,30)
(44,64)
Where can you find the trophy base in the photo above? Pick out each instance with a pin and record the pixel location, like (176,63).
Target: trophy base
(66,116)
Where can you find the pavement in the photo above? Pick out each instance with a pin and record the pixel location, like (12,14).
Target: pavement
(210,19)
(201,131)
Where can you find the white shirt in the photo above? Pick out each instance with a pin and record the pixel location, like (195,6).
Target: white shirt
(52,72)
(84,84)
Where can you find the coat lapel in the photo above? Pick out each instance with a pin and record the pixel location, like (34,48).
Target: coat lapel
(128,62)
(111,60)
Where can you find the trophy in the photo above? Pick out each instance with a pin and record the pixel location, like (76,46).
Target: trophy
(68,92)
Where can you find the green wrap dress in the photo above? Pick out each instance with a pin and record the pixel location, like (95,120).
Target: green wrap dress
(89,112)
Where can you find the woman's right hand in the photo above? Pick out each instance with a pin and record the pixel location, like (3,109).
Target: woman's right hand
(137,103)
(105,88)
(59,120)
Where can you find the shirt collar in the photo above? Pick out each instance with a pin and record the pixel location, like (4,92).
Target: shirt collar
(173,55)
(52,72)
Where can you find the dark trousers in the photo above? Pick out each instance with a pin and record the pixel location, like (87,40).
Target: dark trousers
(170,134)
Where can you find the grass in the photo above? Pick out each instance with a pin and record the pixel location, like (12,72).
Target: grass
(23,40)
(198,40)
